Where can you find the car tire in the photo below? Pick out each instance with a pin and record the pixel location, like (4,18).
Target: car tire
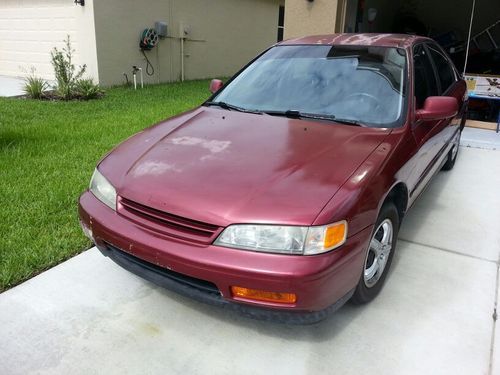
(453,153)
(379,255)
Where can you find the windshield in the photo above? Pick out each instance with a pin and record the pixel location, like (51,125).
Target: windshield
(357,84)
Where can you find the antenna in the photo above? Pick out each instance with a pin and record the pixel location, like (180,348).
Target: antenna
(468,38)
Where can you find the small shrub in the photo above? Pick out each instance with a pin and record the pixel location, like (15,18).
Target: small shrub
(66,73)
(87,89)
(34,86)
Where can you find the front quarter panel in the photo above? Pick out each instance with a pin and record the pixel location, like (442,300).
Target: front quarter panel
(360,198)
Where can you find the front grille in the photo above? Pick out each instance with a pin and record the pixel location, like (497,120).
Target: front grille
(168,224)
(201,285)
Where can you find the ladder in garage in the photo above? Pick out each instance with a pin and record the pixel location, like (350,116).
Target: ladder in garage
(488,33)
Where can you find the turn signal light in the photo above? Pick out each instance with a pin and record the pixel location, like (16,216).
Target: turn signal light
(261,295)
(335,235)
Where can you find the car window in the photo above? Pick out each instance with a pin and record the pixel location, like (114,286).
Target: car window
(365,84)
(424,77)
(443,67)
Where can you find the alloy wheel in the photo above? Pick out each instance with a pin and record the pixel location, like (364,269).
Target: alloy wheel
(378,253)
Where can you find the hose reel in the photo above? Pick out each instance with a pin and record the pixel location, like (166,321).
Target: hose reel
(149,39)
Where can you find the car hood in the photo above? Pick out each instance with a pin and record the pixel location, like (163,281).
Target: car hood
(222,167)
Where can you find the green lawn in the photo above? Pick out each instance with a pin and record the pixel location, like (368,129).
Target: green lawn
(48,151)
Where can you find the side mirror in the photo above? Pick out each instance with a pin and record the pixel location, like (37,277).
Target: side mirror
(215,85)
(437,108)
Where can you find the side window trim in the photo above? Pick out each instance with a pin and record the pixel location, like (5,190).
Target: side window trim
(434,72)
(434,68)
(438,49)
(456,74)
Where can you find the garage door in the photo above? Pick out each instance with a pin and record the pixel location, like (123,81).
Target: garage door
(29,29)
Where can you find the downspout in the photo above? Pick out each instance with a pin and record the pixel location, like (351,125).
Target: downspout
(182,58)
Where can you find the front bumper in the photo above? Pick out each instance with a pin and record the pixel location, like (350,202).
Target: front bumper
(322,283)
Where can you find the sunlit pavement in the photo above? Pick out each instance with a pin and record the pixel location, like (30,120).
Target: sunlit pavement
(480,138)
(434,316)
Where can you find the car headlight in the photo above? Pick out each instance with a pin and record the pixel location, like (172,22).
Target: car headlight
(284,239)
(103,190)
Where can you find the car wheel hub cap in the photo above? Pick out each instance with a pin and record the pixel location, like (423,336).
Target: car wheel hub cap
(378,253)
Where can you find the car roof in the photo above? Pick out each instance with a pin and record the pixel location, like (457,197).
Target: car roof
(358,39)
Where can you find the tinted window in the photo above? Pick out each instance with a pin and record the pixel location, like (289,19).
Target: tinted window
(365,84)
(443,67)
(424,78)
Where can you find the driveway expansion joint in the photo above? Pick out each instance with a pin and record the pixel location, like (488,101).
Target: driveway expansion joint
(449,251)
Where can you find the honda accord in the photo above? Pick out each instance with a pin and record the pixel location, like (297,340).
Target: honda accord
(281,196)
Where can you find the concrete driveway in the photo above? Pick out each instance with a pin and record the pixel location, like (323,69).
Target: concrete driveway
(434,316)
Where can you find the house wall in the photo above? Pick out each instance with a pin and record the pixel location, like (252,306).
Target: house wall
(29,29)
(223,36)
(308,18)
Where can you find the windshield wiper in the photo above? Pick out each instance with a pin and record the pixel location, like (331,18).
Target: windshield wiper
(297,114)
(232,107)
(346,121)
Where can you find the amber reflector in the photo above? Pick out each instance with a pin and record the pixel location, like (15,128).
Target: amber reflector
(261,295)
(335,235)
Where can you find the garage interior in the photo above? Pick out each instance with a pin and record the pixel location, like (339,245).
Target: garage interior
(447,22)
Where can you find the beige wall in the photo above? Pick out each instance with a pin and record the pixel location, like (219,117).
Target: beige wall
(29,30)
(225,35)
(85,31)
(308,18)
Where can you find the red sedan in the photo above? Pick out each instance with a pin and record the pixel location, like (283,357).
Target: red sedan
(282,195)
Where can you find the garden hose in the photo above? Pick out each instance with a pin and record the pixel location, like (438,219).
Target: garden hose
(150,70)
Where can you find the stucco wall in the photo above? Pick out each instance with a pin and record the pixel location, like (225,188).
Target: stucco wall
(309,18)
(226,33)
(29,30)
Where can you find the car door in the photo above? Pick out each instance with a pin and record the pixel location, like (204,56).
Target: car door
(425,134)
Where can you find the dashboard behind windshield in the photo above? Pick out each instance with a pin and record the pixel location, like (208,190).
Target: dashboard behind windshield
(364,84)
